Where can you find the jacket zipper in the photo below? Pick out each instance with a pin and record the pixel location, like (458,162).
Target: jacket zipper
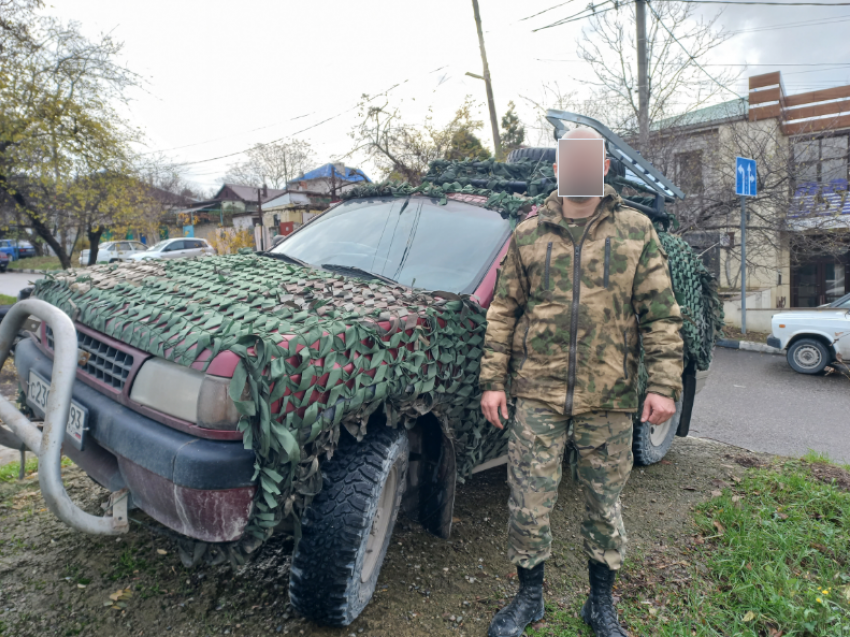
(607,261)
(626,354)
(571,374)
(525,345)
(546,269)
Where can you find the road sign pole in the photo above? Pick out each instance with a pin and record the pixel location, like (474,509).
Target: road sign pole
(743,265)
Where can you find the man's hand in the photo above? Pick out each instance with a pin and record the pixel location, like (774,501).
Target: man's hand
(656,408)
(492,403)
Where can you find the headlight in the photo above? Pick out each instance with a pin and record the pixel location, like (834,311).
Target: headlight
(185,393)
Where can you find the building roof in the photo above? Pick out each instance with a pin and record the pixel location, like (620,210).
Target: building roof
(328,170)
(248,194)
(726,110)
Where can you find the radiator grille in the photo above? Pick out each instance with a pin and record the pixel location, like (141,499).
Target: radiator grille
(99,360)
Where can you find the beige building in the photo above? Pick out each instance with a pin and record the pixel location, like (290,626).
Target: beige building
(798,227)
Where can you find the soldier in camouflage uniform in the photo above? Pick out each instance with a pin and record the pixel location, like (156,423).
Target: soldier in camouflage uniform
(581,285)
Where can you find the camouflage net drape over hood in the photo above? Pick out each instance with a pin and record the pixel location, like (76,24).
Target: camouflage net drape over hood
(317,351)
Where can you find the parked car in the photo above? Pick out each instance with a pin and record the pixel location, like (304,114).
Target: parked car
(320,386)
(10,247)
(25,249)
(5,260)
(112,251)
(175,249)
(813,338)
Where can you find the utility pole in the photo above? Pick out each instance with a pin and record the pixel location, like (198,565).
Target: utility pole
(494,122)
(643,75)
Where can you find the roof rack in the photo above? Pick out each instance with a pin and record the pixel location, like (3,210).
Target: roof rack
(638,171)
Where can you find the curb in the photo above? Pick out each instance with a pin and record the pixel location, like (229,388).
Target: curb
(749,345)
(32,271)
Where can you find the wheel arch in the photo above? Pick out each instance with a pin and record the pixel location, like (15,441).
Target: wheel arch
(818,336)
(431,476)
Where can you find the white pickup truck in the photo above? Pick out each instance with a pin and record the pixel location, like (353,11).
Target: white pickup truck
(814,338)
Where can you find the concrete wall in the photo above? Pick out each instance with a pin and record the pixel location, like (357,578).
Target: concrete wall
(760,309)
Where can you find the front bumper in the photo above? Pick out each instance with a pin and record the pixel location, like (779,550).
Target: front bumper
(200,488)
(774,342)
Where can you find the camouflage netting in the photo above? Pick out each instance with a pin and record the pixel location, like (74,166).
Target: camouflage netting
(327,372)
(319,351)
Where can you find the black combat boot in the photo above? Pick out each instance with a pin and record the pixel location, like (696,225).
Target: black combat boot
(525,608)
(598,611)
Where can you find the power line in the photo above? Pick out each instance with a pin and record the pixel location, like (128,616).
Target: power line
(557,6)
(793,25)
(760,2)
(688,53)
(303,130)
(218,139)
(578,16)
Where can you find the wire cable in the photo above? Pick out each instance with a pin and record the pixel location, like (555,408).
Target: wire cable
(688,53)
(303,130)
(761,2)
(577,16)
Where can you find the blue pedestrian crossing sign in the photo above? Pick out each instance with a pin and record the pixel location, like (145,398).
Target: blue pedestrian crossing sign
(745,177)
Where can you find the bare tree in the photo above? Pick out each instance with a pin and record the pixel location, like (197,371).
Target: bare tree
(272,164)
(402,150)
(678,43)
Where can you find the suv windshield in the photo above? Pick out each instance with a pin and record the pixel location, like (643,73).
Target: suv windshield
(416,241)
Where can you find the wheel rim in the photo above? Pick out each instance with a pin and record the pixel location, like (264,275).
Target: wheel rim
(658,433)
(808,357)
(380,525)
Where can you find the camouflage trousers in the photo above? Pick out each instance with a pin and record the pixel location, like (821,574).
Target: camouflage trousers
(600,450)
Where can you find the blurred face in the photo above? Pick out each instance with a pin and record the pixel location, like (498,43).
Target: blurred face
(581,166)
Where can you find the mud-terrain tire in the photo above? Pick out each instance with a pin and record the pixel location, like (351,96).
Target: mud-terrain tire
(808,356)
(651,443)
(545,155)
(347,528)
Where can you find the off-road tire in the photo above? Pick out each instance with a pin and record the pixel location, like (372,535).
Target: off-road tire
(650,443)
(544,155)
(808,356)
(335,566)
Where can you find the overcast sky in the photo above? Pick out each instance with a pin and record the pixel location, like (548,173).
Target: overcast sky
(222,76)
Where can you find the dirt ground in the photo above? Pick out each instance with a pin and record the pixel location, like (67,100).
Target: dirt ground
(54,581)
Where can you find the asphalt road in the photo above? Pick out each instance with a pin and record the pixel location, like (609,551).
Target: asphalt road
(756,401)
(12,282)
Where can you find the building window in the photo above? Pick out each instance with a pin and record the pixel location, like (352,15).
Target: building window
(689,172)
(821,161)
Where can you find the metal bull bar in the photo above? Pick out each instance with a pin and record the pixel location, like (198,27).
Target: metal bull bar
(46,442)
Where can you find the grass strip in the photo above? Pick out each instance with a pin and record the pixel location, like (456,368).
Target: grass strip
(771,559)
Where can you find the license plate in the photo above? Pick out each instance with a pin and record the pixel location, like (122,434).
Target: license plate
(75,428)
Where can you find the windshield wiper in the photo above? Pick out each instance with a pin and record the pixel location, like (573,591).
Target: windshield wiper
(345,269)
(282,256)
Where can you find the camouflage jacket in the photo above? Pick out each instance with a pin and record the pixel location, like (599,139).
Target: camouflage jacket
(569,336)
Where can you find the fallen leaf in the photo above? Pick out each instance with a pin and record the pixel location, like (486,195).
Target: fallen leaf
(716,494)
(455,520)
(162,551)
(750,616)
(719,527)
(735,479)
